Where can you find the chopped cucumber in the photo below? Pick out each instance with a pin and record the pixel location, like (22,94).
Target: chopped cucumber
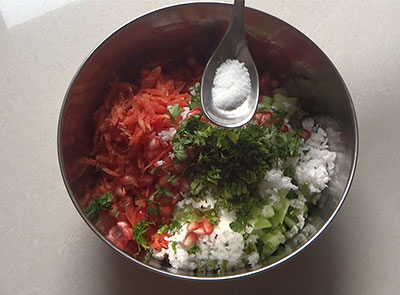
(271,241)
(262,223)
(281,209)
(289,221)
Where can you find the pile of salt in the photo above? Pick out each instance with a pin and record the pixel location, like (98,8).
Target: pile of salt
(231,85)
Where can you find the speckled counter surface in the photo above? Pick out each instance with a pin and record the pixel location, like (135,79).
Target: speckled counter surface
(45,247)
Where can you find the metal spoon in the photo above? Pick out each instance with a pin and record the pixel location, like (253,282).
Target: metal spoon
(232,46)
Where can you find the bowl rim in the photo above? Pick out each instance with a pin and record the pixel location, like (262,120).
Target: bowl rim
(182,276)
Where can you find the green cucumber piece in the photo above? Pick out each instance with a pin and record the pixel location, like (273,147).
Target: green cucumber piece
(281,209)
(262,223)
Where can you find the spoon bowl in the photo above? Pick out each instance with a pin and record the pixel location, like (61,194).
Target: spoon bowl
(232,46)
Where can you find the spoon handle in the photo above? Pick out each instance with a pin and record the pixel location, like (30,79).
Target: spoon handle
(237,21)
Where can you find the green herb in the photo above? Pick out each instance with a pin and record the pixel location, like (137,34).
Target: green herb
(195,99)
(201,269)
(194,249)
(230,163)
(250,248)
(154,171)
(161,191)
(139,229)
(172,178)
(174,226)
(239,225)
(224,265)
(212,264)
(92,211)
(173,246)
(266,104)
(296,118)
(117,214)
(175,111)
(163,229)
(211,216)
(153,211)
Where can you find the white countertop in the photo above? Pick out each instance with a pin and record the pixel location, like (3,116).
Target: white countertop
(46,248)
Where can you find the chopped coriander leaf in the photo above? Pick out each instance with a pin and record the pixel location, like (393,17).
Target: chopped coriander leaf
(163,229)
(161,191)
(153,211)
(174,226)
(239,225)
(92,211)
(139,229)
(296,117)
(212,216)
(201,269)
(172,178)
(224,265)
(212,264)
(194,249)
(173,246)
(175,111)
(154,171)
(230,163)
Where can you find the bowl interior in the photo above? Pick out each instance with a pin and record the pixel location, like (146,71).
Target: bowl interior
(172,32)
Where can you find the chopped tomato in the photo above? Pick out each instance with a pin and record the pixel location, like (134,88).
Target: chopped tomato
(263,118)
(304,133)
(189,240)
(194,225)
(126,230)
(131,215)
(166,210)
(124,202)
(116,236)
(207,226)
(141,214)
(133,160)
(284,128)
(145,181)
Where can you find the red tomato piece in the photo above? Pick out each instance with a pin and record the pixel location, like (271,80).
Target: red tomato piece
(200,230)
(126,180)
(193,112)
(126,230)
(131,248)
(304,133)
(141,214)
(124,202)
(145,181)
(189,240)
(284,128)
(116,236)
(105,221)
(131,215)
(194,225)
(166,210)
(207,226)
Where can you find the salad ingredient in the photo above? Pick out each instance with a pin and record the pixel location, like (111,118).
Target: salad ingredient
(172,186)
(92,211)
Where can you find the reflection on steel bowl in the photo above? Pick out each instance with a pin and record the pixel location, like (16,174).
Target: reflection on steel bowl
(178,195)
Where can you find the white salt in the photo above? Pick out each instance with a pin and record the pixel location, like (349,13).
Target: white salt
(231,85)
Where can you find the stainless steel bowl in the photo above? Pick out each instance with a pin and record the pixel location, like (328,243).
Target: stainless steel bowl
(278,47)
